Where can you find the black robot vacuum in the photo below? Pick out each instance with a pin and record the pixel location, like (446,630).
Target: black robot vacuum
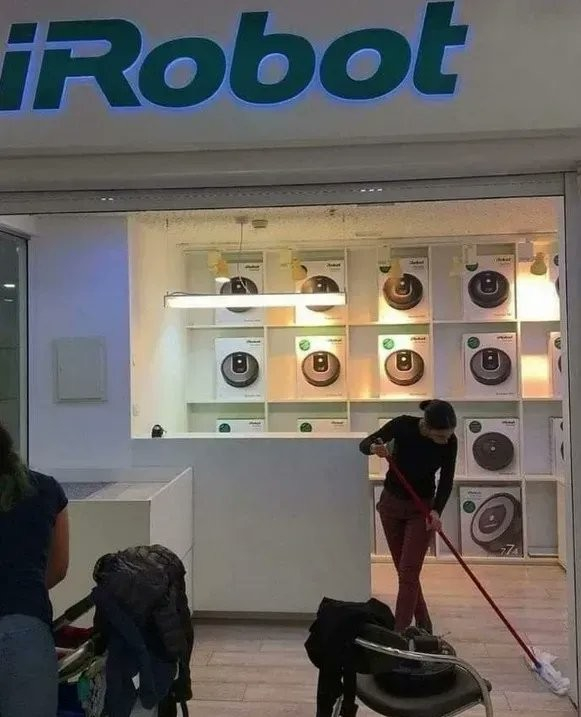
(240,369)
(321,368)
(239,285)
(491,367)
(404,367)
(497,523)
(488,289)
(493,451)
(319,285)
(404,293)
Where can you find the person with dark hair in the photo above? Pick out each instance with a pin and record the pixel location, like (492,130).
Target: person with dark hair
(421,447)
(34,556)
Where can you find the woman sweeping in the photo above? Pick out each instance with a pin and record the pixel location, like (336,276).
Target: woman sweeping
(421,447)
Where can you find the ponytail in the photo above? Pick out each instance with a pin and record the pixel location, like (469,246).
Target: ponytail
(14,478)
(439,415)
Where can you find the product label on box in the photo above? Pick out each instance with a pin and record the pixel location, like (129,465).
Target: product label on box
(322,425)
(238,425)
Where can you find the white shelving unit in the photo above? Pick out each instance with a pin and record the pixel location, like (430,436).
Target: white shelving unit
(536,315)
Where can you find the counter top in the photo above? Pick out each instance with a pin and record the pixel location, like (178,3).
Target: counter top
(286,436)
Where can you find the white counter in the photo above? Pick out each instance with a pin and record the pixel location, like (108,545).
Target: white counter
(110,510)
(279,521)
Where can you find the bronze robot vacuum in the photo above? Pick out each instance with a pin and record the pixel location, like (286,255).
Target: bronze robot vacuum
(403,294)
(404,367)
(497,523)
(239,285)
(321,368)
(491,366)
(240,369)
(488,289)
(319,285)
(493,451)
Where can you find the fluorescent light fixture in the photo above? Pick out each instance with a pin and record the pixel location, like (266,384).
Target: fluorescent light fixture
(9,286)
(234,301)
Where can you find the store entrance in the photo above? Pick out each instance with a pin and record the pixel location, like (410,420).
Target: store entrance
(470,290)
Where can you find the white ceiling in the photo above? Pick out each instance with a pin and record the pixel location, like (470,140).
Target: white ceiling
(297,227)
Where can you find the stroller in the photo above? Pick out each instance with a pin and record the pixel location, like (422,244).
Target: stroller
(85,654)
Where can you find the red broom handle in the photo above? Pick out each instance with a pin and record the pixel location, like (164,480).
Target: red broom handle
(420,505)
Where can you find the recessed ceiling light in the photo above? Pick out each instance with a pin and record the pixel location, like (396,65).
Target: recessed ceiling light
(107,199)
(9,286)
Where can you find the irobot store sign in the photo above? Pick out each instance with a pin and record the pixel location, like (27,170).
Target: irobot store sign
(41,64)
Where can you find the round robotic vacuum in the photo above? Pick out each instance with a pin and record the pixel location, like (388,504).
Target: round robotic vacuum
(239,285)
(488,289)
(404,293)
(491,367)
(240,369)
(404,367)
(497,523)
(493,451)
(321,368)
(319,285)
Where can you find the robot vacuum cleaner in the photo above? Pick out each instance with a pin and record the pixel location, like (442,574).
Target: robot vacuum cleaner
(319,285)
(404,367)
(321,368)
(497,523)
(403,294)
(488,289)
(240,369)
(239,285)
(493,451)
(491,367)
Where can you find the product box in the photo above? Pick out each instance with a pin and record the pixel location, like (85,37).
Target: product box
(240,369)
(405,300)
(245,278)
(557,446)
(488,288)
(554,272)
(555,362)
(404,366)
(491,522)
(240,425)
(490,365)
(322,425)
(320,366)
(492,446)
(321,277)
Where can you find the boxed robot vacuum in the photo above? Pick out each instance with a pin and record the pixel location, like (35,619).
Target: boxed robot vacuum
(321,277)
(488,288)
(491,522)
(404,366)
(322,425)
(557,447)
(490,365)
(320,366)
(245,278)
(240,425)
(239,369)
(492,446)
(404,300)
(555,362)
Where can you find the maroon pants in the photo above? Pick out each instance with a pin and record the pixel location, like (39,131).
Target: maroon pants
(408,540)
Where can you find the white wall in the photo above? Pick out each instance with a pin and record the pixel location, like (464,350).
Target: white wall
(79,286)
(158,337)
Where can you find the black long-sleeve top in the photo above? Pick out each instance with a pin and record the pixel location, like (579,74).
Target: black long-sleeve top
(418,458)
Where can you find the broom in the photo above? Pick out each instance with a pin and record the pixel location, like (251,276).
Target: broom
(540,662)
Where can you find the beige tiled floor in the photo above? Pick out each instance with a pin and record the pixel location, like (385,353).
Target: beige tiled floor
(262,671)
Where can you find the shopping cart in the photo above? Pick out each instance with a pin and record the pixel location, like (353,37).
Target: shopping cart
(81,666)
